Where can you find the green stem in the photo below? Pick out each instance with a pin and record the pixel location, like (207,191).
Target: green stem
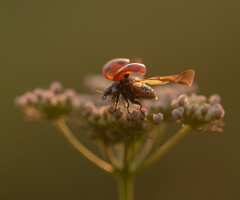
(112,157)
(81,148)
(147,147)
(163,149)
(125,188)
(125,178)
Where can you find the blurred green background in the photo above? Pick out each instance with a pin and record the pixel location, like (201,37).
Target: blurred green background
(44,41)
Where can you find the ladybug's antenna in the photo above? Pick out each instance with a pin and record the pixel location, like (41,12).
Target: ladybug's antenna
(99,91)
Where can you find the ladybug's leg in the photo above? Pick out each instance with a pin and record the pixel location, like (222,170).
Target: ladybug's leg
(127,105)
(126,99)
(116,102)
(138,103)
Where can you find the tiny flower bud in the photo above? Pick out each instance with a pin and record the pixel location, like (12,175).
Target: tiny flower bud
(20,102)
(204,108)
(30,98)
(129,116)
(215,98)
(135,115)
(181,109)
(217,111)
(69,93)
(201,99)
(181,100)
(177,113)
(87,109)
(193,109)
(196,116)
(143,113)
(46,96)
(39,92)
(158,118)
(118,112)
(104,111)
(111,108)
(56,87)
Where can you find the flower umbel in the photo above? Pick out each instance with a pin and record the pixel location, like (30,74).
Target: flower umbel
(199,112)
(48,104)
(129,142)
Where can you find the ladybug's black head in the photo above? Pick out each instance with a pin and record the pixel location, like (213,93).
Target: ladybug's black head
(111,90)
(106,92)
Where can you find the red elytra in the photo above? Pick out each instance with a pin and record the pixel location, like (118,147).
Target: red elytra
(111,67)
(128,69)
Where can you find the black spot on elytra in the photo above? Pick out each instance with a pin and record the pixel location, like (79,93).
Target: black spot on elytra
(107,69)
(120,62)
(129,66)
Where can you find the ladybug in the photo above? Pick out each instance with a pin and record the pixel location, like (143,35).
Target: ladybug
(131,90)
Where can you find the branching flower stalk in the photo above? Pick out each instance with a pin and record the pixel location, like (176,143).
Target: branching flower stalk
(82,149)
(129,142)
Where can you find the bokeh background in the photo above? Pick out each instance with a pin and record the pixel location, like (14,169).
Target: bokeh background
(43,41)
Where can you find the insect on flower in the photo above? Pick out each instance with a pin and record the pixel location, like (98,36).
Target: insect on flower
(119,70)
